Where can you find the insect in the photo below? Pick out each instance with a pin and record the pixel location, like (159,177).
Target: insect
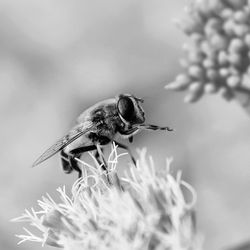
(98,126)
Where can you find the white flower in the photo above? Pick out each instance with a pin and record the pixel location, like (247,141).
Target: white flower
(144,210)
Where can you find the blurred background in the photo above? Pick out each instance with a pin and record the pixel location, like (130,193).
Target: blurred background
(59,57)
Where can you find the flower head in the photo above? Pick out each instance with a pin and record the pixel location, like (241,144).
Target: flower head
(143,210)
(218,58)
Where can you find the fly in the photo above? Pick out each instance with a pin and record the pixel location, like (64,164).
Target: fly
(98,126)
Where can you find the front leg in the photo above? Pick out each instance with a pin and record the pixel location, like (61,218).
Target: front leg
(154,127)
(100,158)
(126,148)
(69,162)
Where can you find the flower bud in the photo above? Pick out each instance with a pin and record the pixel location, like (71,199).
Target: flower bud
(236,45)
(196,71)
(203,8)
(235,59)
(208,63)
(195,86)
(196,91)
(209,31)
(224,72)
(247,40)
(229,27)
(212,26)
(212,75)
(246,81)
(233,81)
(181,82)
(215,6)
(192,97)
(233,71)
(222,58)
(237,4)
(183,79)
(205,47)
(241,30)
(195,56)
(210,88)
(226,13)
(240,17)
(218,42)
(214,23)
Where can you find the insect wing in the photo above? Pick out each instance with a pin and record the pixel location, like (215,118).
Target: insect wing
(75,133)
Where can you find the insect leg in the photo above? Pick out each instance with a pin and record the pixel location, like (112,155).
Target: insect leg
(126,148)
(98,158)
(69,162)
(65,162)
(103,162)
(83,149)
(154,127)
(74,165)
(101,156)
(76,153)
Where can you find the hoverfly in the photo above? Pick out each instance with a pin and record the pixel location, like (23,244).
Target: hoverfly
(98,126)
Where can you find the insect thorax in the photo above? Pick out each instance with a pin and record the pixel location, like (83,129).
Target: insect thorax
(100,139)
(107,121)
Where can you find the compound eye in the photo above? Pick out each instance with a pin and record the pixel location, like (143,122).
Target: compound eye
(126,108)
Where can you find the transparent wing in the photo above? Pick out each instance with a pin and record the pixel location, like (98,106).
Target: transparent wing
(75,133)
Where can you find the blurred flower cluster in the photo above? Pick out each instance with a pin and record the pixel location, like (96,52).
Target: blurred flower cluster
(143,210)
(218,56)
